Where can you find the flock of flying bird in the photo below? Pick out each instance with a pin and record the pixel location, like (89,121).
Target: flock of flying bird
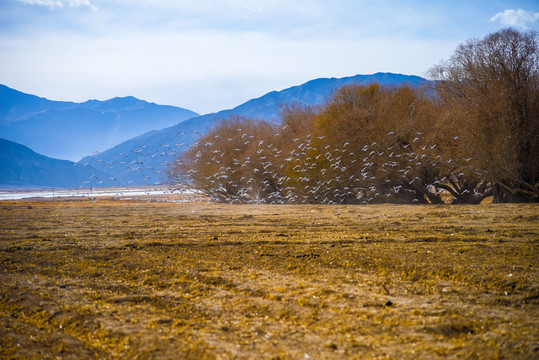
(306,172)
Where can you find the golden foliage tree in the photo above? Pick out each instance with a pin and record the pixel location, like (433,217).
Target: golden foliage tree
(374,145)
(232,162)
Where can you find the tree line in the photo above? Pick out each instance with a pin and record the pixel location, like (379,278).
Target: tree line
(469,134)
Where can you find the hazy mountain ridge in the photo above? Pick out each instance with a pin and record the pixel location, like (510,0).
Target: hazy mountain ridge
(142,159)
(315,92)
(74,130)
(22,167)
(16,105)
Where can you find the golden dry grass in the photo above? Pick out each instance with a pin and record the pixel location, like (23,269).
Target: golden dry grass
(190,281)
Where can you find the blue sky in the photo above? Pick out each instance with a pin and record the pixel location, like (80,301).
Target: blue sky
(209,55)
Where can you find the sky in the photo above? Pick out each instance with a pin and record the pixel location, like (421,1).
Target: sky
(211,55)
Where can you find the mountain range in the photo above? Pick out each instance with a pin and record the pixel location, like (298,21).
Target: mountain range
(22,167)
(69,130)
(132,154)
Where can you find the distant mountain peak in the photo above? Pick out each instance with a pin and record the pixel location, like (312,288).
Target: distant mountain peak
(69,130)
(315,92)
(23,167)
(125,100)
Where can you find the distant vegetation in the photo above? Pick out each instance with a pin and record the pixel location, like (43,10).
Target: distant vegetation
(471,134)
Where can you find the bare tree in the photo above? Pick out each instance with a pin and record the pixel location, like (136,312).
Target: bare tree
(490,91)
(231,163)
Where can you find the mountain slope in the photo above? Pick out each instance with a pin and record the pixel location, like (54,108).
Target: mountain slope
(315,92)
(22,167)
(70,130)
(16,105)
(142,160)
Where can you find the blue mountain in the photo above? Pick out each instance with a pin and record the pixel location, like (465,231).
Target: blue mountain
(24,168)
(69,130)
(316,92)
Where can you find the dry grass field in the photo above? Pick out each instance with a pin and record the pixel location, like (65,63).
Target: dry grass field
(122,280)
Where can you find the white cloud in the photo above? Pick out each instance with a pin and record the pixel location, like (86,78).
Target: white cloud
(518,18)
(275,16)
(60,3)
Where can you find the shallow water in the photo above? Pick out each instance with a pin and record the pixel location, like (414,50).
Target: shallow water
(87,192)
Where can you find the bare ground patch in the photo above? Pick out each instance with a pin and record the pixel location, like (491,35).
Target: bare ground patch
(118,279)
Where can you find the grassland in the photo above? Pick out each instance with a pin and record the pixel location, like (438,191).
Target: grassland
(116,279)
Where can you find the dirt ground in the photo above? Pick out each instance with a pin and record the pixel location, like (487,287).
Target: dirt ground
(120,280)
